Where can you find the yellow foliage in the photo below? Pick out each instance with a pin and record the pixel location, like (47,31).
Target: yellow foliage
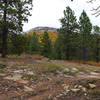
(53,36)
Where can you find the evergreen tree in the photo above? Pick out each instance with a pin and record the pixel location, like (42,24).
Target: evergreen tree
(69,26)
(85,29)
(17,44)
(12,15)
(59,45)
(97,47)
(34,44)
(46,44)
(0,45)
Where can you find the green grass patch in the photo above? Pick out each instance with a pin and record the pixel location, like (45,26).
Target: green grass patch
(72,73)
(57,82)
(2,65)
(30,77)
(93,92)
(51,68)
(43,90)
(83,69)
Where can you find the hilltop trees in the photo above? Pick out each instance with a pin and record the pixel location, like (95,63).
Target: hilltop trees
(12,15)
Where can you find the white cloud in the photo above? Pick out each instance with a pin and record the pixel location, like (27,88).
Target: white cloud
(48,12)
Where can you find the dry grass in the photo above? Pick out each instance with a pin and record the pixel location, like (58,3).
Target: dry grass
(87,62)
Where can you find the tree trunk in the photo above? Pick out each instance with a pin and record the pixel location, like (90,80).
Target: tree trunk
(4,31)
(97,50)
(68,53)
(4,43)
(84,55)
(84,51)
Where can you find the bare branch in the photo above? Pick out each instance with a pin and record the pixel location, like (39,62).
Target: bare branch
(95,10)
(91,1)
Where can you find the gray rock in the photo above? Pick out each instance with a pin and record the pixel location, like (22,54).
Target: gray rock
(83,89)
(28,89)
(14,77)
(66,69)
(74,69)
(18,71)
(94,73)
(30,73)
(92,86)
(75,90)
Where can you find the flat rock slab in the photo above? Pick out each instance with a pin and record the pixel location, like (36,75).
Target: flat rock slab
(22,81)
(89,76)
(1,74)
(14,78)
(27,89)
(94,73)
(18,71)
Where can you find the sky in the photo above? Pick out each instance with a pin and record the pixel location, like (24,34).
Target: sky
(48,12)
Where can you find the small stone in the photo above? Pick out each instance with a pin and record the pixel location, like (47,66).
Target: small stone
(94,73)
(60,75)
(75,90)
(74,69)
(76,86)
(58,72)
(68,76)
(1,74)
(23,81)
(14,77)
(66,69)
(83,89)
(81,73)
(80,86)
(85,94)
(30,73)
(49,96)
(66,87)
(59,95)
(18,71)
(48,78)
(63,84)
(28,89)
(92,86)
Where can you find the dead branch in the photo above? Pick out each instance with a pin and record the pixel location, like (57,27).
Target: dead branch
(96,11)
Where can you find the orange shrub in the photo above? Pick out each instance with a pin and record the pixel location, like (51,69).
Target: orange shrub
(87,62)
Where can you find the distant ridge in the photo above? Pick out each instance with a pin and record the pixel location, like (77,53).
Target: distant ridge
(41,29)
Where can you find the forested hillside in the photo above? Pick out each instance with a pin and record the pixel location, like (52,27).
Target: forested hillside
(40,30)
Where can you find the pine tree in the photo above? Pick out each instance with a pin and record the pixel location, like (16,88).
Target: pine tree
(34,44)
(85,30)
(12,15)
(59,45)
(69,26)
(17,44)
(0,45)
(46,44)
(97,47)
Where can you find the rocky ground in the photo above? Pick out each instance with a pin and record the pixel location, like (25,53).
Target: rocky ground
(35,79)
